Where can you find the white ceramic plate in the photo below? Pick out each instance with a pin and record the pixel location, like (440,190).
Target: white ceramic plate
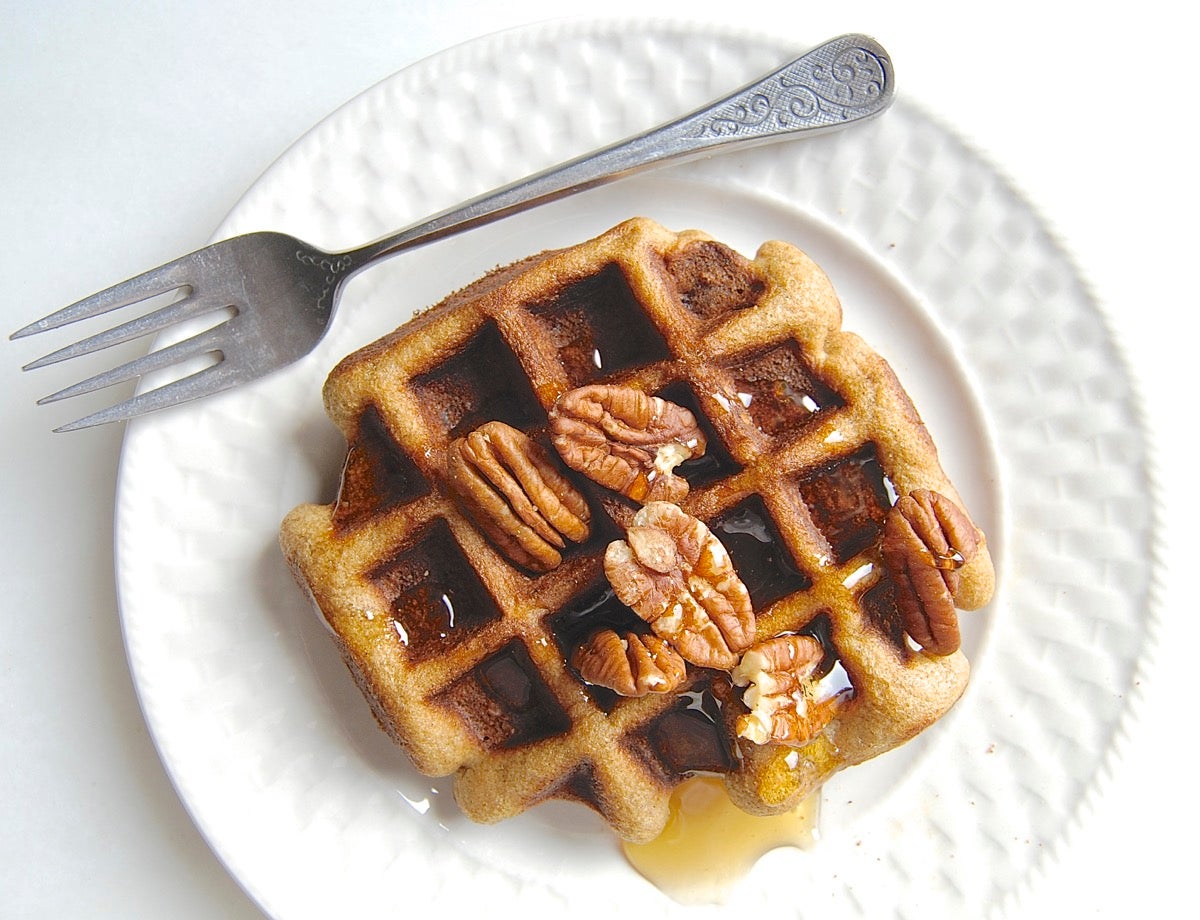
(939,264)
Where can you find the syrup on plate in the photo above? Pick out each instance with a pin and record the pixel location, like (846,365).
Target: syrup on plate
(709,843)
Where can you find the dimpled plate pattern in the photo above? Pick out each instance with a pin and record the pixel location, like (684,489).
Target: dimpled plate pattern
(939,264)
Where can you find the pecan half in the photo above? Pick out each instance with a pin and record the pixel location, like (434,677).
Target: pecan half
(626,440)
(926,539)
(519,499)
(632,665)
(781,692)
(678,578)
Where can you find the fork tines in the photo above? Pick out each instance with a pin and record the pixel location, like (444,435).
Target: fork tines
(155,283)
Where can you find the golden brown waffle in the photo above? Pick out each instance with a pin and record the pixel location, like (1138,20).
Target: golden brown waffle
(465,657)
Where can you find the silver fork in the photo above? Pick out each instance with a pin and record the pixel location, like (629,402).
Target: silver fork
(280,293)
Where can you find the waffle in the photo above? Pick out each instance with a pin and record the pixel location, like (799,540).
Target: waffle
(466,657)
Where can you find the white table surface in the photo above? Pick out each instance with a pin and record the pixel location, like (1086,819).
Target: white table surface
(130,129)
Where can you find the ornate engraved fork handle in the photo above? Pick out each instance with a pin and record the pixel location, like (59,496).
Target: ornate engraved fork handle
(843,81)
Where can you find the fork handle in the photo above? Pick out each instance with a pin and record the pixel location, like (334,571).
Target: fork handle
(843,81)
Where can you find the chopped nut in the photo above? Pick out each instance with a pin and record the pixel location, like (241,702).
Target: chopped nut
(626,440)
(781,693)
(632,665)
(678,578)
(926,539)
(513,491)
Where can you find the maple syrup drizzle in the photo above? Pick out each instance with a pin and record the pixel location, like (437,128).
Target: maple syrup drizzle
(709,843)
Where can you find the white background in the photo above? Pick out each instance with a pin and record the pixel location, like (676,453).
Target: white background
(130,129)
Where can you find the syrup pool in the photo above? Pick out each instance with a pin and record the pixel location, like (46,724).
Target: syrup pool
(709,844)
